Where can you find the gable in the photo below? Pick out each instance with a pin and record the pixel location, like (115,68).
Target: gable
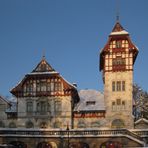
(43,66)
(43,81)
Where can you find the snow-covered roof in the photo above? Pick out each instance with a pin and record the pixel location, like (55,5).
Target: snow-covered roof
(90,100)
(141,120)
(41,73)
(4,99)
(12,108)
(119,32)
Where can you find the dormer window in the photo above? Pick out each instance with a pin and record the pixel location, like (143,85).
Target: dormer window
(90,102)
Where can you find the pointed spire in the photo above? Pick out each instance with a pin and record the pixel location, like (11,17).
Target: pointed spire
(43,56)
(117,10)
(117,17)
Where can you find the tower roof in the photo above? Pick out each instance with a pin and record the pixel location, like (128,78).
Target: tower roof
(118,33)
(118,29)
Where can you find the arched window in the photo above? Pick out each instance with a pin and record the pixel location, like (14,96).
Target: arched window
(44,145)
(111,144)
(12,125)
(29,124)
(118,123)
(79,145)
(58,124)
(81,124)
(19,144)
(95,124)
(43,125)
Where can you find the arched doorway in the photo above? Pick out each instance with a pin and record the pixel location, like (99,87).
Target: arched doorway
(47,145)
(78,145)
(111,144)
(118,123)
(18,144)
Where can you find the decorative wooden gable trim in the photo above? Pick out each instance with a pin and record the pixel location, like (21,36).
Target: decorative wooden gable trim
(43,66)
(43,81)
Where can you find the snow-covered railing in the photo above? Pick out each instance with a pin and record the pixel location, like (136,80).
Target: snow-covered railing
(141,132)
(72,132)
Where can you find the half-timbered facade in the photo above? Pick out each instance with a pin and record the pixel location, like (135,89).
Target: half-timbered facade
(72,118)
(45,99)
(116,63)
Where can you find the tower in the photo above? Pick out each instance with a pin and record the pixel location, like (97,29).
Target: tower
(116,63)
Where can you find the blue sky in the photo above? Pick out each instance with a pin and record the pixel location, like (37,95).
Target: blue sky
(71,32)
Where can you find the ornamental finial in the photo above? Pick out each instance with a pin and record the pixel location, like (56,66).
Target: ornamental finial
(117,10)
(43,54)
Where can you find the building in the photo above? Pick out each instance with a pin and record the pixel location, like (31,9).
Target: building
(116,62)
(49,108)
(45,99)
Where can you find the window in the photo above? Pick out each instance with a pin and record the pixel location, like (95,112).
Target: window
(118,86)
(48,86)
(52,86)
(118,123)
(57,86)
(43,107)
(43,125)
(95,124)
(29,124)
(57,124)
(58,107)
(113,106)
(118,61)
(118,102)
(38,86)
(118,64)
(123,105)
(123,85)
(43,86)
(118,44)
(29,107)
(113,86)
(81,124)
(90,102)
(48,107)
(29,86)
(118,105)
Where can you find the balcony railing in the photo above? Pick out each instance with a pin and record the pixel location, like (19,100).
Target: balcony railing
(72,133)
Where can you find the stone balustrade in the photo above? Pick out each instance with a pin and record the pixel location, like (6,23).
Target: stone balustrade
(78,132)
